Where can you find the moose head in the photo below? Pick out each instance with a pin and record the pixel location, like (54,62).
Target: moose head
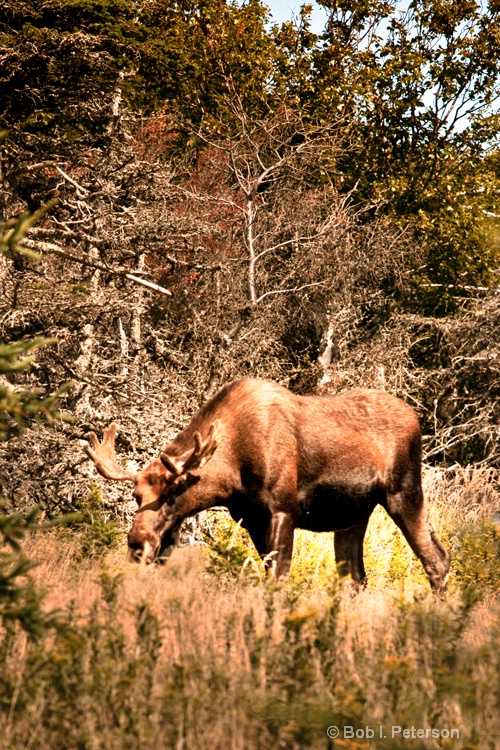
(159,489)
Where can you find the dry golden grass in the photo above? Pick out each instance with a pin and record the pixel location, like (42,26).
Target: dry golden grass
(180,657)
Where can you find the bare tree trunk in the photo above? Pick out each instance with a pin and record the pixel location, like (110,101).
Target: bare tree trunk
(123,347)
(250,215)
(115,104)
(327,352)
(138,312)
(83,363)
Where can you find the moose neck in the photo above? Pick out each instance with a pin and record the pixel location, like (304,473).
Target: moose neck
(203,489)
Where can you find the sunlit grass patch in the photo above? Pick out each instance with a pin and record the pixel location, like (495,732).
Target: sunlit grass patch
(389,560)
(205,653)
(313,562)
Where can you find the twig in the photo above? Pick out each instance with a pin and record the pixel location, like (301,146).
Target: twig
(305,238)
(466,287)
(251,251)
(49,247)
(149,284)
(70,179)
(43,164)
(286,291)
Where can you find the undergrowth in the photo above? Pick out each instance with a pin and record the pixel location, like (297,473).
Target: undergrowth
(206,652)
(94,534)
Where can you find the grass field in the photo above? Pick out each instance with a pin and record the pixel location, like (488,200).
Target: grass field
(206,653)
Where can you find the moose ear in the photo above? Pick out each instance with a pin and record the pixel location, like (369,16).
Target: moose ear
(197,457)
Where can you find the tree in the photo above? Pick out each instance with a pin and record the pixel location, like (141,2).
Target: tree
(63,63)
(419,92)
(17,407)
(20,600)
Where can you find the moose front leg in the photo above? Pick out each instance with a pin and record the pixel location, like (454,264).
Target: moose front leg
(280,544)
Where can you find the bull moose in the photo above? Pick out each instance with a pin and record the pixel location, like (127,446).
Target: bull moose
(279,461)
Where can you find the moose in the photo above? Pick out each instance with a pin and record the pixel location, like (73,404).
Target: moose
(280,461)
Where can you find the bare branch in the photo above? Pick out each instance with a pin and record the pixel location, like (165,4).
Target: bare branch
(71,180)
(149,284)
(294,240)
(464,287)
(288,291)
(50,248)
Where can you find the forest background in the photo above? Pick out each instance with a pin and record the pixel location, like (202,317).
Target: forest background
(190,194)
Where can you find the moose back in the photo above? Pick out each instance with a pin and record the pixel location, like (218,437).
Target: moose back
(279,461)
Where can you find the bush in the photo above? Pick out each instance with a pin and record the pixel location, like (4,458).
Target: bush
(229,547)
(95,534)
(476,559)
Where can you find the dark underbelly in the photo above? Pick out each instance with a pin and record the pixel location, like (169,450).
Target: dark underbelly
(328,508)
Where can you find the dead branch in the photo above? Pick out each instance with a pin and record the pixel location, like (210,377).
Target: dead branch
(51,249)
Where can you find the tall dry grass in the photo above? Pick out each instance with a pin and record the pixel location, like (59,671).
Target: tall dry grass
(205,653)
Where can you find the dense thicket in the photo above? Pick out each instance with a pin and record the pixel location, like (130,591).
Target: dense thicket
(319,209)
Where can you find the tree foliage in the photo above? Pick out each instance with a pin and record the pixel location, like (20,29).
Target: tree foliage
(62,62)
(20,598)
(17,407)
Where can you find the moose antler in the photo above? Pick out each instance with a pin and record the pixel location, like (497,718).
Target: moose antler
(198,457)
(104,456)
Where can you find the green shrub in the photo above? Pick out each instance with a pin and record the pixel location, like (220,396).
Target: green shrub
(313,562)
(94,533)
(20,598)
(230,549)
(476,559)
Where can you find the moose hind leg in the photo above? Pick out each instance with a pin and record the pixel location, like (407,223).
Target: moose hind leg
(423,540)
(348,546)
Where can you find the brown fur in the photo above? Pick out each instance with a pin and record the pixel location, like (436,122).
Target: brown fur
(282,461)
